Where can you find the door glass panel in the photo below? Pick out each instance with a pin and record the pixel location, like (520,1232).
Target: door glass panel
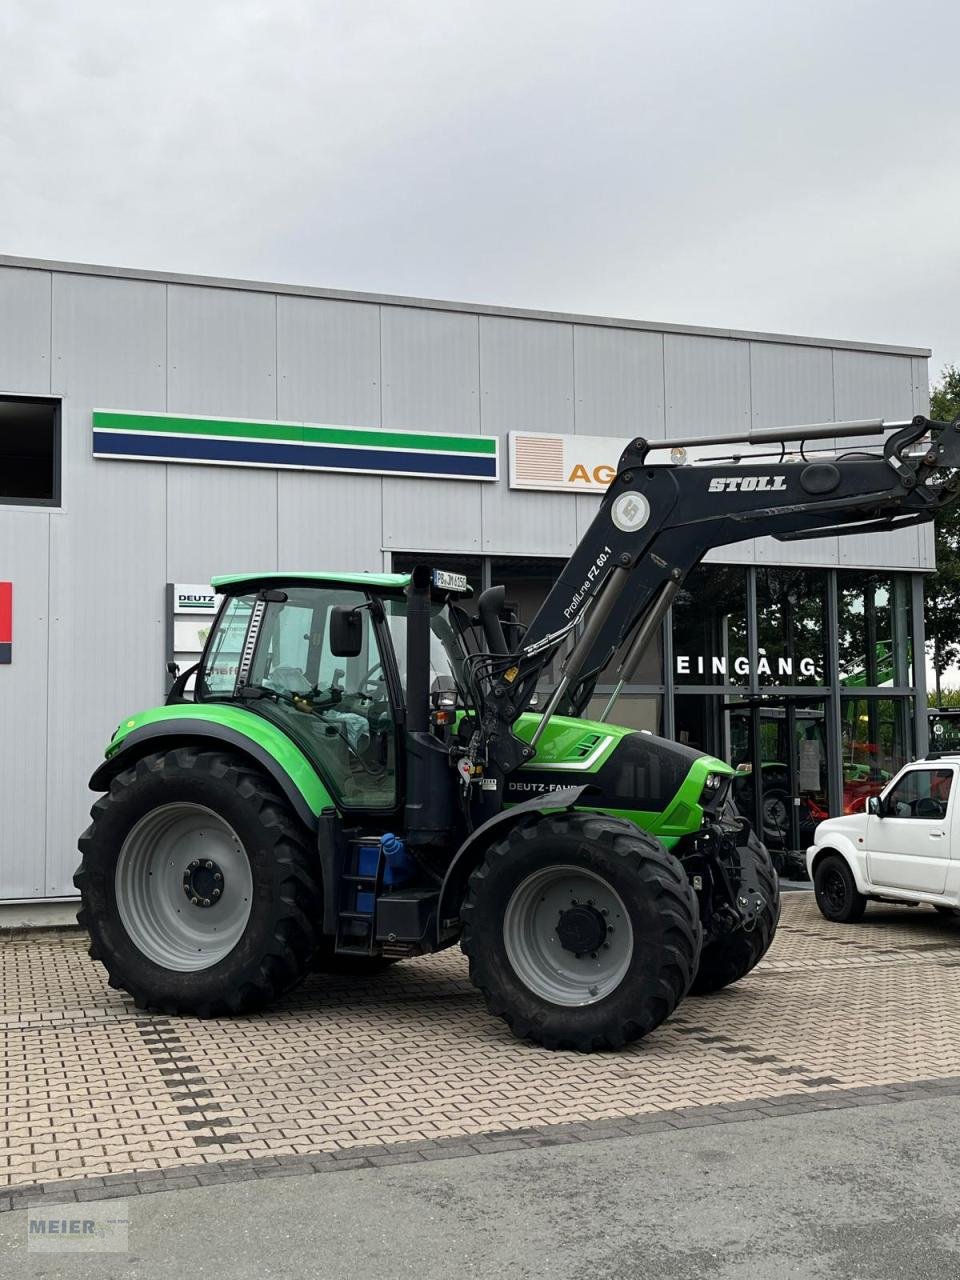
(791,636)
(874,629)
(710,627)
(876,742)
(921,793)
(221,662)
(337,709)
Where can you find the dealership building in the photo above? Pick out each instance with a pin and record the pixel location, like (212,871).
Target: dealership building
(156,429)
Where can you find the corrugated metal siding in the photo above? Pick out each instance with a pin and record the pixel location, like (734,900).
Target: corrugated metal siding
(618,385)
(526,383)
(222,361)
(328,361)
(24,331)
(107,559)
(24,694)
(431,379)
(790,386)
(127,528)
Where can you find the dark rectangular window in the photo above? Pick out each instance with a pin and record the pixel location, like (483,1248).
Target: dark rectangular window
(29,451)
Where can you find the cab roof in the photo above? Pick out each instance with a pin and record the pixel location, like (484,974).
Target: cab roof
(233,583)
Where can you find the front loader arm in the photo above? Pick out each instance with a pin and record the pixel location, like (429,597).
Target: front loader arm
(656,523)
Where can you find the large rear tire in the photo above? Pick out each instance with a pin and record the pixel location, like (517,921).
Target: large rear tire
(198,886)
(730,957)
(582,931)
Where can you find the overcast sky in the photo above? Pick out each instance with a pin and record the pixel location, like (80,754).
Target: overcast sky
(764,165)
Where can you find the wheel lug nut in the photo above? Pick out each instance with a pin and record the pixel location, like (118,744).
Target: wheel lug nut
(217,875)
(195,901)
(206,902)
(195,863)
(209,865)
(216,893)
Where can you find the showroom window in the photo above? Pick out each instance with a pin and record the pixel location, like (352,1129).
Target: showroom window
(710,627)
(29,452)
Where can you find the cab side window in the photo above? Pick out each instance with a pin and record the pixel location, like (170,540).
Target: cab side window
(921,793)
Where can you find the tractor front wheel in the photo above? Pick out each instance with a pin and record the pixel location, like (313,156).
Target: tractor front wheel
(581,930)
(197,885)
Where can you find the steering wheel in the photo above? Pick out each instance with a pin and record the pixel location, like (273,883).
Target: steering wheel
(367,679)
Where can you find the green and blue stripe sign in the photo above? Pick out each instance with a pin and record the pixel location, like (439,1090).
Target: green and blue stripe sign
(235,442)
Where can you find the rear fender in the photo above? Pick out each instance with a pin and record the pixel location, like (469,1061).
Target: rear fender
(472,850)
(282,761)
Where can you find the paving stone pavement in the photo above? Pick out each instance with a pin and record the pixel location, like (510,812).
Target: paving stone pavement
(411,1062)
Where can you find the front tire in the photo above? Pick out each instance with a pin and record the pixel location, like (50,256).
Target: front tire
(581,930)
(836,892)
(198,886)
(730,957)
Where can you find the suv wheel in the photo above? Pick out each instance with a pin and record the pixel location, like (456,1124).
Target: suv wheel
(836,891)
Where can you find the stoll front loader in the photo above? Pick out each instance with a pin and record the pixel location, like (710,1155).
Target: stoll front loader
(360,776)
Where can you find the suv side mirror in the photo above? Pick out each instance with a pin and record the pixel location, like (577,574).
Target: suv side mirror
(874,806)
(346,631)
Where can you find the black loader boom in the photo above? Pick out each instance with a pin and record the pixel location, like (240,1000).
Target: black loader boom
(656,522)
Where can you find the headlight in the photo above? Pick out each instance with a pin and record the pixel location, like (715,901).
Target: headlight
(713,781)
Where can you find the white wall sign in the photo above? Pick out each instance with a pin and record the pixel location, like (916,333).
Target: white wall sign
(194,597)
(566,464)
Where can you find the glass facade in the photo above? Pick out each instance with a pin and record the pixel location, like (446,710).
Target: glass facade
(802,678)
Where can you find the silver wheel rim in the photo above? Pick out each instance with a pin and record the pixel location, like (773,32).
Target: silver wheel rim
(538,957)
(169,925)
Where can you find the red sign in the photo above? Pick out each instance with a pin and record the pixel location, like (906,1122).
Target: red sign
(6,622)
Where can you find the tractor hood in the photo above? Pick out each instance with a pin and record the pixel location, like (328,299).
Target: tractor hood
(663,786)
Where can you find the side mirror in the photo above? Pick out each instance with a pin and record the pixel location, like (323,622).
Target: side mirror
(874,806)
(346,631)
(443,693)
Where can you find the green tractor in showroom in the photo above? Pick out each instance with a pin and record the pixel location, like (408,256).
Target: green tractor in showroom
(360,777)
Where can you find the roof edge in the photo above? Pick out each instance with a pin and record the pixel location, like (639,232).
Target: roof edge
(437,304)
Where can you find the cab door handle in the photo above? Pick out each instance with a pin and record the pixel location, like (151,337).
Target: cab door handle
(936,835)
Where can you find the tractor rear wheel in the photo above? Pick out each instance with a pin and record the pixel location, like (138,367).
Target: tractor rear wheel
(197,885)
(730,957)
(582,931)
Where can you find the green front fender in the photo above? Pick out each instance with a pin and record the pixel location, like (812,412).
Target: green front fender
(211,724)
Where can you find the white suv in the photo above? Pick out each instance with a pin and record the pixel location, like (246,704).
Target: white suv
(905,847)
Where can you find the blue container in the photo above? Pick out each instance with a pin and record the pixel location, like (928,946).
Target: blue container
(368,859)
(399,865)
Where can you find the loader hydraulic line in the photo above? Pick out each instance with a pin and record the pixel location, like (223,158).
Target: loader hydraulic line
(658,520)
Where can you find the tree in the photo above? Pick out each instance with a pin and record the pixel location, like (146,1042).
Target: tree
(942,589)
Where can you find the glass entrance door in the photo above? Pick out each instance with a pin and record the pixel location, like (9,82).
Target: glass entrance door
(778,748)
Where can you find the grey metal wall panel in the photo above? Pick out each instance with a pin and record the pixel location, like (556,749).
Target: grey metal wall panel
(109,344)
(220,520)
(927,555)
(618,385)
(24,331)
(526,384)
(107,557)
(792,385)
(329,522)
(707,389)
(431,370)
(107,570)
(328,362)
(222,361)
(24,560)
(869,384)
(222,352)
(431,381)
(618,381)
(707,383)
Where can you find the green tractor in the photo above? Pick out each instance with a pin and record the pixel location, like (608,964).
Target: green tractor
(359,778)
